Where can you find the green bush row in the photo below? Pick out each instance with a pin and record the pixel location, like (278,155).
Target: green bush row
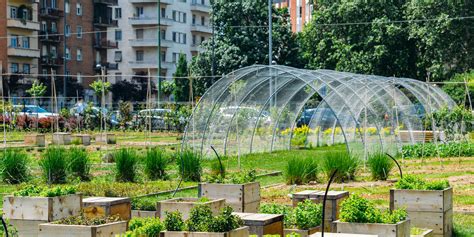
(452,149)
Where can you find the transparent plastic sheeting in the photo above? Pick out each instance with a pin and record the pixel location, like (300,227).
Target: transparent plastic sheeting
(257,109)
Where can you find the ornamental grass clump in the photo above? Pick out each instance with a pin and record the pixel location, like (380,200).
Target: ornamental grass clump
(345,164)
(380,166)
(14,166)
(356,209)
(415,182)
(301,170)
(79,164)
(155,164)
(126,161)
(53,164)
(189,166)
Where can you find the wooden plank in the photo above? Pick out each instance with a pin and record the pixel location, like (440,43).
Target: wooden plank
(301,233)
(422,200)
(106,230)
(124,210)
(26,208)
(251,207)
(440,223)
(140,213)
(401,229)
(65,206)
(232,193)
(26,228)
(184,206)
(251,192)
(102,201)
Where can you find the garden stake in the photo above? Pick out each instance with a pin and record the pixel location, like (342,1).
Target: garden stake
(4,226)
(324,200)
(220,162)
(396,162)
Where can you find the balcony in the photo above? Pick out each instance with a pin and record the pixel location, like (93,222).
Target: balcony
(165,2)
(201,28)
(107,2)
(150,43)
(51,62)
(105,44)
(136,21)
(196,7)
(49,37)
(149,64)
(23,24)
(51,13)
(105,22)
(23,52)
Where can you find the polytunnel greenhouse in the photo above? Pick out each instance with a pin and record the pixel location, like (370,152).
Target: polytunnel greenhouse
(268,108)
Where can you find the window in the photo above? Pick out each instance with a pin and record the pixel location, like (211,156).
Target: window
(54,4)
(79,54)
(139,12)
(54,27)
(163,34)
(203,20)
(79,77)
(139,33)
(79,31)
(118,13)
(66,6)
(194,39)
(79,9)
(179,37)
(26,15)
(163,12)
(14,67)
(44,72)
(54,52)
(44,50)
(13,11)
(163,56)
(68,54)
(25,41)
(118,56)
(179,16)
(118,35)
(175,57)
(68,31)
(139,55)
(14,41)
(26,68)
(44,26)
(194,19)
(202,39)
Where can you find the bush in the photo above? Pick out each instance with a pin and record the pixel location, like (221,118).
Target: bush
(356,209)
(14,166)
(452,149)
(225,221)
(79,164)
(125,165)
(53,165)
(155,164)
(199,218)
(301,170)
(189,166)
(150,227)
(234,178)
(174,221)
(308,215)
(286,211)
(417,183)
(39,191)
(144,204)
(343,162)
(380,166)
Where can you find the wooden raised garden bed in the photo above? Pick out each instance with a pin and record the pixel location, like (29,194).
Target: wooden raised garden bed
(425,233)
(61,138)
(318,234)
(184,206)
(240,232)
(105,138)
(140,213)
(262,224)
(60,230)
(107,206)
(301,233)
(84,139)
(419,136)
(401,229)
(241,197)
(35,139)
(430,209)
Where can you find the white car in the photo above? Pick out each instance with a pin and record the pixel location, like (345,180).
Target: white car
(32,111)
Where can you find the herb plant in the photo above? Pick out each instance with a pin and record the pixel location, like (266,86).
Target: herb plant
(356,209)
(189,165)
(307,215)
(53,165)
(199,219)
(40,191)
(380,166)
(125,165)
(79,164)
(14,166)
(155,164)
(345,163)
(150,227)
(174,221)
(301,170)
(84,220)
(417,183)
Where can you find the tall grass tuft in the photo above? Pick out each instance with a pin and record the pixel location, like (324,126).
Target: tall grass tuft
(125,165)
(79,164)
(345,163)
(189,165)
(53,165)
(155,164)
(301,170)
(14,166)
(379,165)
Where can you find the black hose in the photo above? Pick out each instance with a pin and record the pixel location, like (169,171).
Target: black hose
(324,200)
(182,176)
(220,162)
(4,226)
(396,162)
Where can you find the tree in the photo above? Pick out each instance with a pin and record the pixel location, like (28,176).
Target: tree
(181,90)
(128,91)
(100,87)
(461,93)
(37,89)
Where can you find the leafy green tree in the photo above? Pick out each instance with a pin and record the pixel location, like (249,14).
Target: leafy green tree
(37,89)
(100,86)
(461,93)
(181,90)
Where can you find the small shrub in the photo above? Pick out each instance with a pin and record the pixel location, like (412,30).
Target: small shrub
(286,211)
(155,164)
(307,215)
(301,170)
(199,218)
(417,183)
(343,162)
(79,164)
(225,221)
(380,166)
(189,166)
(125,165)
(145,227)
(174,221)
(14,166)
(53,165)
(356,209)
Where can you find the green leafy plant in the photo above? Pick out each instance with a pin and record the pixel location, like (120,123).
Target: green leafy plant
(189,165)
(14,166)
(218,169)
(301,170)
(144,204)
(345,164)
(234,178)
(415,182)
(79,163)
(84,220)
(37,89)
(76,141)
(53,165)
(99,87)
(125,165)
(356,209)
(225,221)
(199,218)
(148,226)
(307,215)
(380,166)
(451,149)
(155,164)
(286,211)
(174,221)
(40,191)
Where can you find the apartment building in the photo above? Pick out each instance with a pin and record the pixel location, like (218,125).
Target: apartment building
(300,12)
(19,27)
(184,25)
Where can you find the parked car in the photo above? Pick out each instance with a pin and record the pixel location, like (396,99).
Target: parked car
(79,110)
(250,114)
(156,116)
(325,115)
(32,111)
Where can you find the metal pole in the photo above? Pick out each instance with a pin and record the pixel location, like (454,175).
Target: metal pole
(213,72)
(64,51)
(159,54)
(270,56)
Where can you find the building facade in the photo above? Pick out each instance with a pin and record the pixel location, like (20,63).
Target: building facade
(300,12)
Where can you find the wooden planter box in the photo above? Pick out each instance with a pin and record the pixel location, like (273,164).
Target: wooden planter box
(105,138)
(429,209)
(105,230)
(240,232)
(61,138)
(35,139)
(184,205)
(262,224)
(426,233)
(85,139)
(401,229)
(107,206)
(333,204)
(140,213)
(301,233)
(420,136)
(241,197)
